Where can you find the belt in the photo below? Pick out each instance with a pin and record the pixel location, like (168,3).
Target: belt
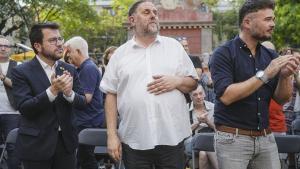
(252,133)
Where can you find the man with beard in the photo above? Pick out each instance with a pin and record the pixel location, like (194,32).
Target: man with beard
(246,76)
(9,116)
(145,80)
(46,90)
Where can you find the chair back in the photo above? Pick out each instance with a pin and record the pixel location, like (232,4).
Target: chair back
(296,127)
(288,143)
(93,137)
(12,136)
(203,142)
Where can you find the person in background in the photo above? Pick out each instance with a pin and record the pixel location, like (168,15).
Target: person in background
(276,116)
(93,115)
(207,83)
(145,81)
(9,116)
(108,53)
(201,118)
(195,59)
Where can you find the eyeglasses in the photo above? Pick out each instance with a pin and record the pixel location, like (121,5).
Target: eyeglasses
(181,38)
(54,41)
(5,46)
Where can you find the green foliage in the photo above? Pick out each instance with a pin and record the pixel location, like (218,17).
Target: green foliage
(226,25)
(210,3)
(287,29)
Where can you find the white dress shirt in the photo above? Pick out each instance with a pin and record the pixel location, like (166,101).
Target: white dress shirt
(147,120)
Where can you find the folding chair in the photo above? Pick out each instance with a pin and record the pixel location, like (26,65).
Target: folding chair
(296,127)
(95,137)
(288,144)
(11,138)
(202,142)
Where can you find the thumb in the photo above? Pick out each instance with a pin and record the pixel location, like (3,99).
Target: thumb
(156,76)
(52,77)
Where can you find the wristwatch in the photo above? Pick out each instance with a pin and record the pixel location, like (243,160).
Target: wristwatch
(262,76)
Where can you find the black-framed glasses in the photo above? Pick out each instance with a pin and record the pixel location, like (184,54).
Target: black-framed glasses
(55,41)
(5,46)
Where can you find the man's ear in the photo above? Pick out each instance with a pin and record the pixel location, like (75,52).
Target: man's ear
(38,47)
(78,51)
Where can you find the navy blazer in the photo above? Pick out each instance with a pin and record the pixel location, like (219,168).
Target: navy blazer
(40,118)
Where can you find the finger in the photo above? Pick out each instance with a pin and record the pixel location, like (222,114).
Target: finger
(156,81)
(53,77)
(293,65)
(119,153)
(116,155)
(157,76)
(161,92)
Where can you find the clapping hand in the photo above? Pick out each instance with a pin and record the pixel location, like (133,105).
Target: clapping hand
(203,118)
(62,83)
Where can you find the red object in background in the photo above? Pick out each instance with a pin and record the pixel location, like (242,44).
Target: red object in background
(276,117)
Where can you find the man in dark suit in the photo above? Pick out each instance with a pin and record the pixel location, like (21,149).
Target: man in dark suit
(45,91)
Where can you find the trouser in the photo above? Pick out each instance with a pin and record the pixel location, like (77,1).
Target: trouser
(62,158)
(239,151)
(9,122)
(162,157)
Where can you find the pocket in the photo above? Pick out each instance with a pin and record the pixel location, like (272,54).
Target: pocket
(271,138)
(224,138)
(29,131)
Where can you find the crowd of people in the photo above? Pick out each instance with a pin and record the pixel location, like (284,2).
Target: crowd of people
(152,95)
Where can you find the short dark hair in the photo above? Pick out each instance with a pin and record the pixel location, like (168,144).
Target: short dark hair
(36,34)
(251,6)
(134,6)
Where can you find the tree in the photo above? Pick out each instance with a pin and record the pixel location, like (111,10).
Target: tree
(287,29)
(17,14)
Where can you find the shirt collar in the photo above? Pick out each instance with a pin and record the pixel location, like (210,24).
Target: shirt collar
(83,63)
(135,44)
(242,44)
(45,65)
(207,108)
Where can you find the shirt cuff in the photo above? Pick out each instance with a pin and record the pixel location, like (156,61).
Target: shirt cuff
(50,95)
(70,99)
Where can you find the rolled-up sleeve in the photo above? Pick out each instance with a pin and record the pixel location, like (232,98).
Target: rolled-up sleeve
(221,67)
(109,82)
(186,67)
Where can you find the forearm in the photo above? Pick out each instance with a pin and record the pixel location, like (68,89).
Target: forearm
(211,125)
(187,84)
(111,114)
(194,126)
(238,91)
(283,90)
(6,81)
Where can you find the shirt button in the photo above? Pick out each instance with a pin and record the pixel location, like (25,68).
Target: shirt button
(256,69)
(258,114)
(258,99)
(250,56)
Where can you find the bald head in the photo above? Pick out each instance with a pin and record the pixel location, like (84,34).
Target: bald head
(268,45)
(5,48)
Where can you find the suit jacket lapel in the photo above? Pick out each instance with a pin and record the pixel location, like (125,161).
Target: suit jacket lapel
(40,73)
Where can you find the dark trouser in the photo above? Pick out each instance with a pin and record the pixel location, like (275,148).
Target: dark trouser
(7,123)
(62,159)
(85,155)
(162,157)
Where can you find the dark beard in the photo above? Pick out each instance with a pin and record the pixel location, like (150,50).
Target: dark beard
(259,37)
(49,55)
